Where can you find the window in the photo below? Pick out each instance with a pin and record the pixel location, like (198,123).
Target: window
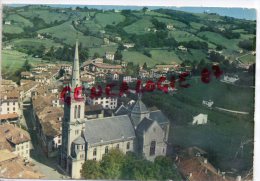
(94,159)
(106,150)
(8,109)
(94,152)
(79,111)
(152,148)
(7,103)
(76,132)
(13,103)
(75,112)
(128,145)
(14,109)
(117,146)
(81,156)
(27,146)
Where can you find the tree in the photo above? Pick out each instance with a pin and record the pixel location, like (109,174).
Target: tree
(26,66)
(96,55)
(247,44)
(144,9)
(145,66)
(91,170)
(118,55)
(61,72)
(111,164)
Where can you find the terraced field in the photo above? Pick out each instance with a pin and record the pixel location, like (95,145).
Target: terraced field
(220,40)
(108,18)
(27,42)
(139,27)
(62,31)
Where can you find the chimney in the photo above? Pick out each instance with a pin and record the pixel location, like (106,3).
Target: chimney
(238,178)
(206,171)
(205,160)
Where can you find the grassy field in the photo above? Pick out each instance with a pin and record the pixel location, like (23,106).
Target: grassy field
(153,13)
(192,55)
(195,25)
(248,59)
(91,25)
(13,60)
(137,58)
(222,136)
(165,56)
(220,40)
(175,23)
(46,15)
(24,42)
(19,20)
(62,31)
(101,51)
(180,36)
(12,29)
(108,18)
(224,95)
(140,26)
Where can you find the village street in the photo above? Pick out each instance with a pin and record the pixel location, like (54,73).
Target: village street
(47,166)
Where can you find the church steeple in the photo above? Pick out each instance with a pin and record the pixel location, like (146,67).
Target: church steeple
(75,81)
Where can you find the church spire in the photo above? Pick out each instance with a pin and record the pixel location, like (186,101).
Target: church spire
(75,81)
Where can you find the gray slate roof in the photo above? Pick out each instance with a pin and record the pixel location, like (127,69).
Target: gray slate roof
(139,107)
(79,141)
(144,125)
(108,129)
(122,110)
(159,117)
(139,112)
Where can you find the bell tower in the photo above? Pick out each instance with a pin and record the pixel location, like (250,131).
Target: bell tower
(73,120)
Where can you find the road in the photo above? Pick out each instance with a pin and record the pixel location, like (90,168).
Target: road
(47,166)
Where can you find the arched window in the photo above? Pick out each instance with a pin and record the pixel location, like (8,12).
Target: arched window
(79,111)
(152,148)
(75,112)
(128,145)
(94,152)
(106,150)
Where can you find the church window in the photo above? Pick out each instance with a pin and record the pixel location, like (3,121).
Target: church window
(152,148)
(128,145)
(79,111)
(76,132)
(75,112)
(94,152)
(106,149)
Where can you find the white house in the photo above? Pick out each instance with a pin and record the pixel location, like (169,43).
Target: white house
(106,102)
(208,103)
(7,22)
(129,45)
(110,55)
(230,79)
(200,119)
(182,48)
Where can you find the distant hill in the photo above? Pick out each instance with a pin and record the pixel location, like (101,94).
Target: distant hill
(154,32)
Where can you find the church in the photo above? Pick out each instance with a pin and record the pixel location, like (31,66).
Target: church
(131,128)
